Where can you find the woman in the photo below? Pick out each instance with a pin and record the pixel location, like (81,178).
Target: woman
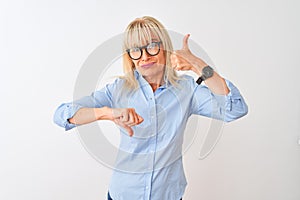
(151,104)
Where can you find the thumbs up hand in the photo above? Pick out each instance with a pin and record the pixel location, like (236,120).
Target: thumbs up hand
(184,59)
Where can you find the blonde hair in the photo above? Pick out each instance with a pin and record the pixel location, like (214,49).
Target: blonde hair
(141,30)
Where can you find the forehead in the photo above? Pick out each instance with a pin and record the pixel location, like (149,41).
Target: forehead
(141,36)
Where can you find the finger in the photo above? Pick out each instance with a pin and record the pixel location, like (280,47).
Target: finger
(185,42)
(174,60)
(131,120)
(179,68)
(129,130)
(140,119)
(131,116)
(136,119)
(182,67)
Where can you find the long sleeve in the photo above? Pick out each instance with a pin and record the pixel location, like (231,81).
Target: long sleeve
(223,107)
(66,111)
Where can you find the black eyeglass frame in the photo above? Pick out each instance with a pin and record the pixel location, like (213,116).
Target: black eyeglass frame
(146,49)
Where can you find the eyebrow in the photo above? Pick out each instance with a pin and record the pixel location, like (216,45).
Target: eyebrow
(154,40)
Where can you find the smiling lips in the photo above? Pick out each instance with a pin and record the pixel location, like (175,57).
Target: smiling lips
(147,65)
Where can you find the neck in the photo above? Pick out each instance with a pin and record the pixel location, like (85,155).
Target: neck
(154,86)
(155,81)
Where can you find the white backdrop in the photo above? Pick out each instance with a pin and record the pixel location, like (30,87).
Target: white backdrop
(254,43)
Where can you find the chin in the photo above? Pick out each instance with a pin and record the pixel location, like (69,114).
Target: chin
(153,74)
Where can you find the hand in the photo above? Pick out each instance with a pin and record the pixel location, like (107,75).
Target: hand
(184,59)
(126,118)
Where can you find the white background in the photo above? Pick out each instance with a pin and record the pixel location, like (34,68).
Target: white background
(254,43)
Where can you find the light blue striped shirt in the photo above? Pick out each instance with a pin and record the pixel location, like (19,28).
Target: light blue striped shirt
(149,164)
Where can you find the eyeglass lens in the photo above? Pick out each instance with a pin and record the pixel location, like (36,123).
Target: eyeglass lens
(152,49)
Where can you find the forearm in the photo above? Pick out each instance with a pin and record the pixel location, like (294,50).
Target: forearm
(224,107)
(88,115)
(216,83)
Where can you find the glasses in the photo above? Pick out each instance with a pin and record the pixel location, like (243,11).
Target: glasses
(152,49)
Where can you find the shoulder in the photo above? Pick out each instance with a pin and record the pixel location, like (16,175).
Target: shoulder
(187,81)
(110,86)
(115,83)
(184,84)
(186,77)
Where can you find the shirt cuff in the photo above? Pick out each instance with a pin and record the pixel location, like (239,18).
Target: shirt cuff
(226,100)
(65,112)
(71,110)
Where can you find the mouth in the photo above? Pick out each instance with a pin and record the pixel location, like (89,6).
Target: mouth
(148,65)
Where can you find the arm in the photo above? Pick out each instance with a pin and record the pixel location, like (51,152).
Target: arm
(88,115)
(227,107)
(98,106)
(219,99)
(124,117)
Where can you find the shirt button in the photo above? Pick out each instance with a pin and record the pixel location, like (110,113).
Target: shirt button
(147,187)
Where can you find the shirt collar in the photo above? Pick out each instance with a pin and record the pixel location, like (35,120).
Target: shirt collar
(142,81)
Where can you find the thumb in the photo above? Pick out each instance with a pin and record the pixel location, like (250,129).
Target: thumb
(185,42)
(127,128)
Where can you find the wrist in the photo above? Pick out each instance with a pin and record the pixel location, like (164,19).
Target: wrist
(104,113)
(207,72)
(198,67)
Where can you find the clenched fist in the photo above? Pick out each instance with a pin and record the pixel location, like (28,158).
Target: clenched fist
(126,118)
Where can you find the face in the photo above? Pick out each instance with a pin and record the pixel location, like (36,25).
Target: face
(150,64)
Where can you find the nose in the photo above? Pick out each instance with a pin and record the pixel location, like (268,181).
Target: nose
(145,55)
